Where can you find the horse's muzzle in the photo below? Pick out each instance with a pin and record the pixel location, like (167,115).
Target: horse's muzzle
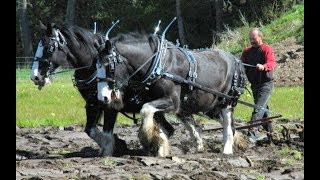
(38,81)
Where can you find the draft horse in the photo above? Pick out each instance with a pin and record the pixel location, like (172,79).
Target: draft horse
(78,47)
(170,79)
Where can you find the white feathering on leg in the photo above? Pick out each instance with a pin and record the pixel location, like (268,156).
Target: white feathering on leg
(227,131)
(164,148)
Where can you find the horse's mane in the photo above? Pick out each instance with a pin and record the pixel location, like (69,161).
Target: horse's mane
(136,38)
(131,37)
(81,37)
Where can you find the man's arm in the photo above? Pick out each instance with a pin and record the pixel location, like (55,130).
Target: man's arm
(270,58)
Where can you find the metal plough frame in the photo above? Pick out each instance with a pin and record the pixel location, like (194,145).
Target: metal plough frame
(255,123)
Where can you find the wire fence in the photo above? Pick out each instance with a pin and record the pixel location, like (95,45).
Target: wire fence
(23,72)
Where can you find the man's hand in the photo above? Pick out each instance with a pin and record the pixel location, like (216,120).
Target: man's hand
(260,67)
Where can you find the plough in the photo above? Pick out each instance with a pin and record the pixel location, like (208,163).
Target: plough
(250,124)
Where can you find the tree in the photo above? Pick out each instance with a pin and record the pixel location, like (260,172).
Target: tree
(70,12)
(25,30)
(180,23)
(219,19)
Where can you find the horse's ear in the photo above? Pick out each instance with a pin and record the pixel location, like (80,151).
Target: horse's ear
(153,41)
(42,26)
(108,47)
(49,29)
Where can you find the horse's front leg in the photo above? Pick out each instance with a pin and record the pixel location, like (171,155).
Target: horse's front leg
(108,140)
(93,113)
(153,134)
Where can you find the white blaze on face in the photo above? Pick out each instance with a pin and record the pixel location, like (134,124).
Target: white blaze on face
(104,92)
(35,66)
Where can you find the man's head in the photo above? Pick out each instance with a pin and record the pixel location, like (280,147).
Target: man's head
(255,37)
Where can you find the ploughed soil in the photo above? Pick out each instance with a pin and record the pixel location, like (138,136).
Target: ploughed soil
(289,69)
(68,153)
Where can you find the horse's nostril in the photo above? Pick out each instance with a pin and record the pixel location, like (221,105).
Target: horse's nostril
(113,95)
(105,100)
(36,78)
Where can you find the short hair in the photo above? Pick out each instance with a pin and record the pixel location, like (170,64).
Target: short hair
(256,29)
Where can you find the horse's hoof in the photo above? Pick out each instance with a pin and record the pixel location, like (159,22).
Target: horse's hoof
(104,153)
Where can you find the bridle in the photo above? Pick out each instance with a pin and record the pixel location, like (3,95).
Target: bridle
(114,58)
(58,41)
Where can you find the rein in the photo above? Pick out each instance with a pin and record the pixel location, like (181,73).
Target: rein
(137,70)
(248,64)
(63,71)
(142,66)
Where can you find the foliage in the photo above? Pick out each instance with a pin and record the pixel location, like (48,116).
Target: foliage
(198,16)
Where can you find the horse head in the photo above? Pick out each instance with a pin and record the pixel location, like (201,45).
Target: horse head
(68,45)
(124,58)
(50,53)
(108,69)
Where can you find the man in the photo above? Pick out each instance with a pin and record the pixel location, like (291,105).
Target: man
(260,76)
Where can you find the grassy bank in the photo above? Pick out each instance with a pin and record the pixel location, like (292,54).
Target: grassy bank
(290,24)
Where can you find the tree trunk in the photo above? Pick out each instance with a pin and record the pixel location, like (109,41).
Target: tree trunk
(180,24)
(25,32)
(219,19)
(71,7)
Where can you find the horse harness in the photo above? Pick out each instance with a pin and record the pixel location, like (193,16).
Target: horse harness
(192,63)
(156,72)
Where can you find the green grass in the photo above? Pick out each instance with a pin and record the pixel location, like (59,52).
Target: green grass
(58,104)
(61,104)
(287,101)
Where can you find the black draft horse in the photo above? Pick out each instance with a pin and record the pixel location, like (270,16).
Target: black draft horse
(168,79)
(77,47)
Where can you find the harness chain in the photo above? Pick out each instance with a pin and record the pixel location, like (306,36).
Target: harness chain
(192,61)
(155,70)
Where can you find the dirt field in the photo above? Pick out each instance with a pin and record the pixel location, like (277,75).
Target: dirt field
(290,63)
(68,153)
